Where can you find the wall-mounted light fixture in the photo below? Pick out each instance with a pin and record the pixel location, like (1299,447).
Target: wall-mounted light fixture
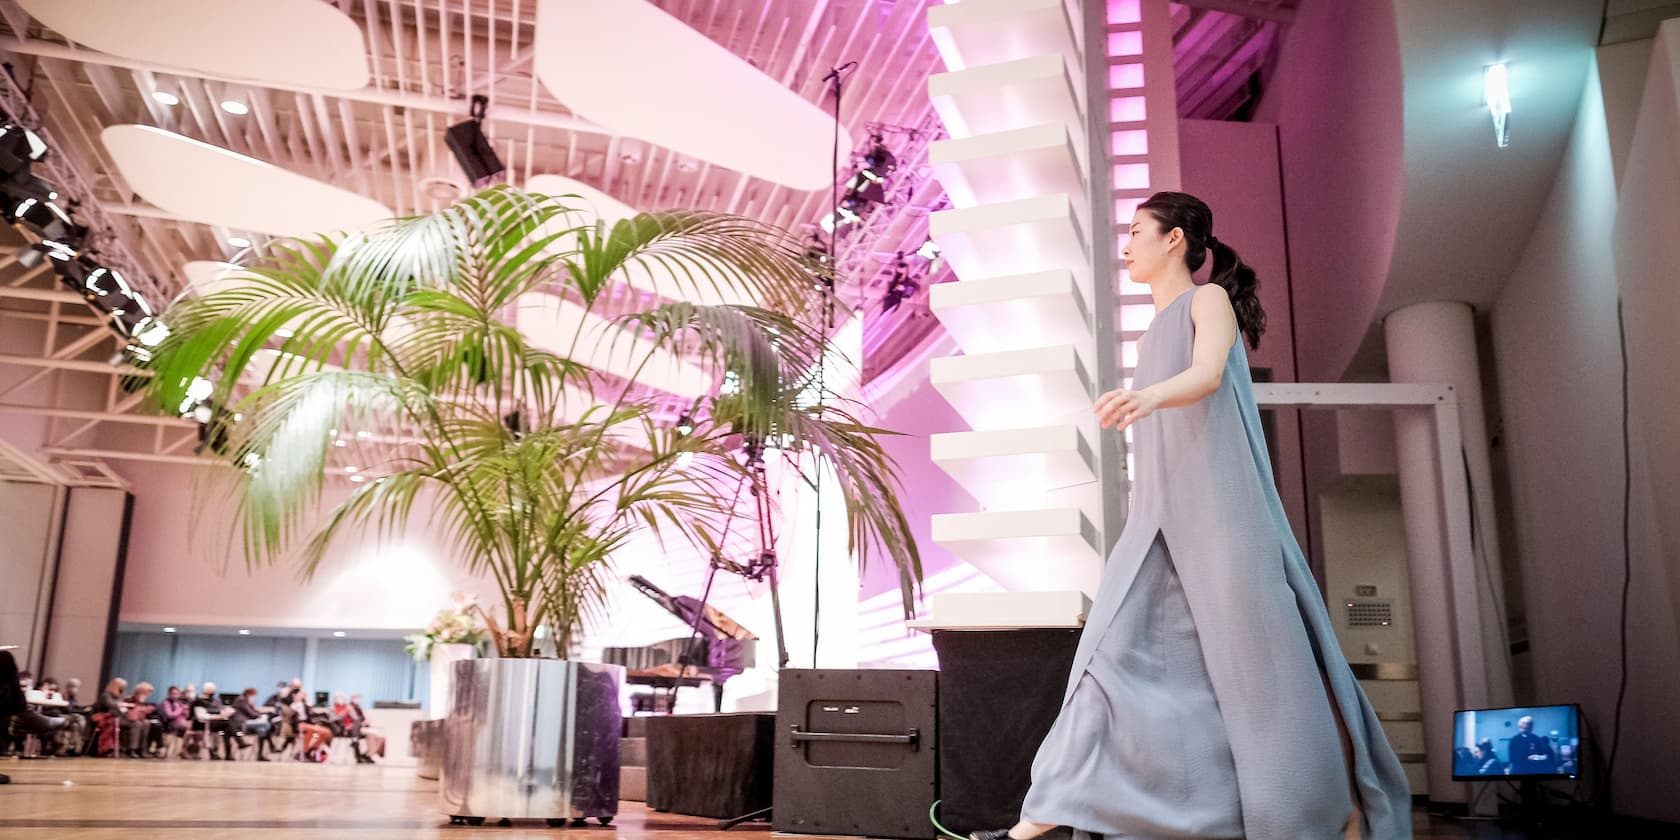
(1496,92)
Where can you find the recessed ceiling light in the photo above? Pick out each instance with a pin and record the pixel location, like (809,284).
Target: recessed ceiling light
(338,634)
(235,107)
(168,629)
(358,478)
(164,97)
(285,333)
(244,632)
(239,242)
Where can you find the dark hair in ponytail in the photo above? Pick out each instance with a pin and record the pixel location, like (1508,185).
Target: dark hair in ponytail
(1191,214)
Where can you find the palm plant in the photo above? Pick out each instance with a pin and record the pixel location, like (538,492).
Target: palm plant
(400,346)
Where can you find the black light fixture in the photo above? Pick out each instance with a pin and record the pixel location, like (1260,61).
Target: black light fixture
(471,148)
(685,424)
(878,163)
(900,287)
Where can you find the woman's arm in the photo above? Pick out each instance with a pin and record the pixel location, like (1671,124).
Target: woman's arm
(1216,331)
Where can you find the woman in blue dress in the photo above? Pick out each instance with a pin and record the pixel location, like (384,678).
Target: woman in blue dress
(1209,697)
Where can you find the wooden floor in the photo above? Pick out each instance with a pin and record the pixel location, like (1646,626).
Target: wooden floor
(110,798)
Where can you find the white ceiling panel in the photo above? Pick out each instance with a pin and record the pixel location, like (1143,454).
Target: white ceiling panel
(298,42)
(633,68)
(552,323)
(654,277)
(204,183)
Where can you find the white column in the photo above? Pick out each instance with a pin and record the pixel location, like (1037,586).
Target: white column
(1436,343)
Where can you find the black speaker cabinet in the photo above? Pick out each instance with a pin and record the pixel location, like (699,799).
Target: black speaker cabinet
(710,765)
(856,752)
(999,692)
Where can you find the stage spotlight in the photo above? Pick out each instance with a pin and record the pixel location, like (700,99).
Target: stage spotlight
(471,148)
(900,287)
(929,250)
(842,216)
(878,163)
(19,147)
(47,220)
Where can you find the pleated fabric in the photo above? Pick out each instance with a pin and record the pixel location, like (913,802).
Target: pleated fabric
(1196,706)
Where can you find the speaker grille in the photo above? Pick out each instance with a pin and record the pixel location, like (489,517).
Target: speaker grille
(1370,613)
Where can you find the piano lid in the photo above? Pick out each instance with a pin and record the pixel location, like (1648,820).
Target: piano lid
(714,624)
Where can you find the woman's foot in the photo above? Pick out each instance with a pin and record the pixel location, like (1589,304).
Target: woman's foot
(1022,830)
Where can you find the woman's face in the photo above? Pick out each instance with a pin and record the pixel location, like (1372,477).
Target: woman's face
(1150,251)
(174,693)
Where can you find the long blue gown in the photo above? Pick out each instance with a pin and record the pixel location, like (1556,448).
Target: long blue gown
(1195,707)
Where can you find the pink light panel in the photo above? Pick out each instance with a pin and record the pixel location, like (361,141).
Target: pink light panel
(1131,176)
(1125,76)
(1124,11)
(1126,109)
(1131,142)
(1125,43)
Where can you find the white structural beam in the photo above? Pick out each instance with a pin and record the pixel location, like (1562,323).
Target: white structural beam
(1015,467)
(992,31)
(1048,550)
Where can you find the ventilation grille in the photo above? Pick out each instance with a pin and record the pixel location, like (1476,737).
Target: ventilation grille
(1372,613)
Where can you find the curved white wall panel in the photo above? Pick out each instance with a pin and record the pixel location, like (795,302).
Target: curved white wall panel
(630,67)
(299,42)
(651,276)
(552,323)
(209,184)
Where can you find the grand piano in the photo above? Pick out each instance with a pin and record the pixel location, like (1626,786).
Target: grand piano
(721,647)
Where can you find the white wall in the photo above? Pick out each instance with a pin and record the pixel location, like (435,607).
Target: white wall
(1556,351)
(183,570)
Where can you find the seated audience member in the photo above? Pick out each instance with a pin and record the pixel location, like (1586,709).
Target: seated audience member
(247,719)
(26,681)
(11,698)
(346,724)
(312,737)
(51,712)
(1566,760)
(107,717)
(73,689)
(277,699)
(372,735)
(137,721)
(209,711)
(176,712)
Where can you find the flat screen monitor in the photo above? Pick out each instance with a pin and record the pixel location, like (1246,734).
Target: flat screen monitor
(1521,742)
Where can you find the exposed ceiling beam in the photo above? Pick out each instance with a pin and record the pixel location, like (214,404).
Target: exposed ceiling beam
(72,364)
(119,455)
(372,96)
(25,293)
(101,416)
(1244,8)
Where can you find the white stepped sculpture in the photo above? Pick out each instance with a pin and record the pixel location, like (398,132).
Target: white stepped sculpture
(1034,309)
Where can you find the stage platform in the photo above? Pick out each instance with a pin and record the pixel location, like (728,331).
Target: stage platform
(115,799)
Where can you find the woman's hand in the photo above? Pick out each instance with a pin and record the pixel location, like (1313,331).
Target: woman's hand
(1122,407)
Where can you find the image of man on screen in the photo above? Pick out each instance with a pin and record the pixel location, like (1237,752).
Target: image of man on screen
(1530,753)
